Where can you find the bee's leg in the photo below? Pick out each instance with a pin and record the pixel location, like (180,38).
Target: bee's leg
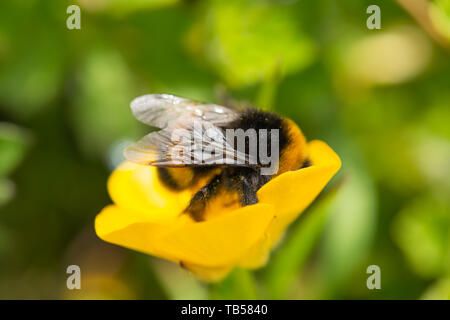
(250,184)
(197,206)
(248,193)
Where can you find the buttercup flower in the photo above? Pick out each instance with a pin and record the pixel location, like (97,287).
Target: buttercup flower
(147,217)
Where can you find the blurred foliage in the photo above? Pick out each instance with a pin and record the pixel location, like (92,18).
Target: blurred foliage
(105,86)
(422,230)
(247,41)
(380,98)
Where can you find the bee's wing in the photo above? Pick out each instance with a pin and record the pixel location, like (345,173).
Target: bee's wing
(181,142)
(162,110)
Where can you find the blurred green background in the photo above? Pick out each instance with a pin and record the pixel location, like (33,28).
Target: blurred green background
(379,98)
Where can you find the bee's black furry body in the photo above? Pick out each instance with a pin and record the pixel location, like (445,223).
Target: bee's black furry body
(243,180)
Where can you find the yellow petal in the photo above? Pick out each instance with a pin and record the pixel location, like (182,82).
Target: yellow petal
(210,274)
(258,255)
(293,191)
(147,217)
(216,242)
(138,190)
(126,229)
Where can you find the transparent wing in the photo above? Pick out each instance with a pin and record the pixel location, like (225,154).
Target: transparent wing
(191,134)
(162,110)
(198,144)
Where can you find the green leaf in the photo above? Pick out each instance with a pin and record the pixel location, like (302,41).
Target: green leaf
(439,12)
(422,231)
(101,113)
(178,283)
(440,290)
(120,8)
(350,231)
(249,41)
(13,144)
(7,189)
(289,261)
(239,284)
(31,57)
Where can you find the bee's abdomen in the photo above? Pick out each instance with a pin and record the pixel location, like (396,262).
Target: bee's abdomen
(176,178)
(181,178)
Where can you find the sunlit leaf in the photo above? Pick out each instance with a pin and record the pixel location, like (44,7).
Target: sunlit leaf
(422,231)
(439,290)
(249,41)
(439,11)
(123,7)
(390,57)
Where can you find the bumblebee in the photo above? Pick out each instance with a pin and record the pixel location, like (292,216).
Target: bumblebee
(218,153)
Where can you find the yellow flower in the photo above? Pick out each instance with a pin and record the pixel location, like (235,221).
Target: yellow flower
(147,217)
